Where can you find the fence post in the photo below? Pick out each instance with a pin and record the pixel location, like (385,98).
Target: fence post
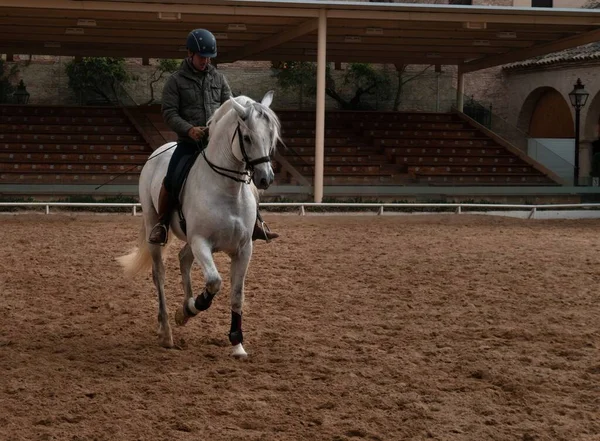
(134,210)
(302,213)
(47,209)
(380,211)
(459,210)
(532,214)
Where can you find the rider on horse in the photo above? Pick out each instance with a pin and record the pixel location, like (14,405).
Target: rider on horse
(190,97)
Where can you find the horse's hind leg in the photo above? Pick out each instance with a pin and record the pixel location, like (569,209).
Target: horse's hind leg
(203,253)
(158,276)
(239,267)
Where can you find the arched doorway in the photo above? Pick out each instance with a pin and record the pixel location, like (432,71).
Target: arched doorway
(547,119)
(590,159)
(551,117)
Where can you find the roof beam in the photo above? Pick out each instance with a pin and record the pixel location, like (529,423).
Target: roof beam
(259,26)
(345,57)
(389,48)
(221,8)
(523,54)
(50,30)
(271,41)
(515,16)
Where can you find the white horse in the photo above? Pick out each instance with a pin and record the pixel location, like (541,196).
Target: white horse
(219,204)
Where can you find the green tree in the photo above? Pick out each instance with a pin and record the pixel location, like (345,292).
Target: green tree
(359,80)
(299,75)
(403,77)
(102,76)
(7,75)
(164,66)
(362,79)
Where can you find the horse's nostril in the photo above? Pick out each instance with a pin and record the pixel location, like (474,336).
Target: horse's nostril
(264,183)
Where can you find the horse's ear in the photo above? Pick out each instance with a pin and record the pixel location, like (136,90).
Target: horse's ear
(267,99)
(242,111)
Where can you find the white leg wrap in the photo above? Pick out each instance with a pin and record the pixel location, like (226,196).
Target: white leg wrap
(192,306)
(239,352)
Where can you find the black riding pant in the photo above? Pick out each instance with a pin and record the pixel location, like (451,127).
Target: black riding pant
(182,160)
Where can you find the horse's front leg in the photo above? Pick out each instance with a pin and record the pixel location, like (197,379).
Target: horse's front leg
(239,267)
(186,260)
(191,307)
(158,276)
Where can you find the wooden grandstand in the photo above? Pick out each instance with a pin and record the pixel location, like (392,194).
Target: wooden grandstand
(93,145)
(398,148)
(69,145)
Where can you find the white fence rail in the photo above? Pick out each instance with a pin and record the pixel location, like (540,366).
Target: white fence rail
(593,209)
(47,205)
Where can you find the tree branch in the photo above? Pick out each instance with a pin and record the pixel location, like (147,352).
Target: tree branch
(417,75)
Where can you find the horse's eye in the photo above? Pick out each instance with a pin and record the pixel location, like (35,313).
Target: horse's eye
(247,139)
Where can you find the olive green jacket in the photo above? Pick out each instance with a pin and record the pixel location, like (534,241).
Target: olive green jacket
(190,98)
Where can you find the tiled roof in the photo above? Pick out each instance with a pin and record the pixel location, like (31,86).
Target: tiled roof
(586,52)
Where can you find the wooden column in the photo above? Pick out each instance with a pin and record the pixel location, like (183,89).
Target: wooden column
(460,90)
(320,119)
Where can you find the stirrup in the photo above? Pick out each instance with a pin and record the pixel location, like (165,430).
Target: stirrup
(265,229)
(166,235)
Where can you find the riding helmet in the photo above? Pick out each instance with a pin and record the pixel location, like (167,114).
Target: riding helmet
(202,42)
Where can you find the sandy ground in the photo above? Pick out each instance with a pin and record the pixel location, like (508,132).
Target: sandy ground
(443,327)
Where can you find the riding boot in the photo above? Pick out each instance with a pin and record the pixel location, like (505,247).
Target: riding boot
(160,231)
(262,232)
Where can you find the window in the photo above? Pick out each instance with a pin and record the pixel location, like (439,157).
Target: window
(541,3)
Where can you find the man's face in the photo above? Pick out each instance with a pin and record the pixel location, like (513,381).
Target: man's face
(199,62)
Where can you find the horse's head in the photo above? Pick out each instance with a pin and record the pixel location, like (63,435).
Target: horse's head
(258,133)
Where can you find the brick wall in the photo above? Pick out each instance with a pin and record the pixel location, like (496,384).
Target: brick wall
(487,87)
(47,82)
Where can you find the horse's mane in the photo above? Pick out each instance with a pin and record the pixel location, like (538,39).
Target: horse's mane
(258,110)
(219,113)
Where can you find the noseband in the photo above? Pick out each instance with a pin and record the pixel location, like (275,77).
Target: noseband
(246,175)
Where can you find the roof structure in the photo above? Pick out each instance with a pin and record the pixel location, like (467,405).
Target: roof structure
(471,37)
(587,52)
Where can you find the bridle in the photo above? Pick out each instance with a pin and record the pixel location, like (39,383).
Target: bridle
(248,173)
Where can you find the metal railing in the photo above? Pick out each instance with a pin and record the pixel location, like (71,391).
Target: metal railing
(482,113)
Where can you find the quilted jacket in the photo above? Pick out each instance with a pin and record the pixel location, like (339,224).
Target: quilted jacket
(190,98)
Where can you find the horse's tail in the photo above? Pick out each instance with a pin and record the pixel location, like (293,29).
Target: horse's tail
(140,258)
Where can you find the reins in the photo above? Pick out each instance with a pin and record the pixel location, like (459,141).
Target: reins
(131,168)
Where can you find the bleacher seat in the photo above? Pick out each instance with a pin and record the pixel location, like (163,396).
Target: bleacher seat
(69,145)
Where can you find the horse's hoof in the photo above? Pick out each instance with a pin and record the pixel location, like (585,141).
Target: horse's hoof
(180,317)
(239,352)
(167,342)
